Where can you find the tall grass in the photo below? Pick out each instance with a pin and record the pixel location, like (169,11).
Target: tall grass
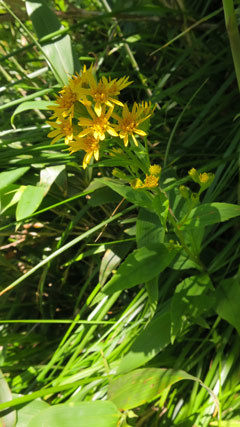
(67,335)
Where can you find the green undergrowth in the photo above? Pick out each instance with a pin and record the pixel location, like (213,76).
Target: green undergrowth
(120,305)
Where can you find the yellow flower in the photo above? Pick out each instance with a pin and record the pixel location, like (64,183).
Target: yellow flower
(65,104)
(97,125)
(62,129)
(103,92)
(130,120)
(136,184)
(88,144)
(155,170)
(151,181)
(193,174)
(203,179)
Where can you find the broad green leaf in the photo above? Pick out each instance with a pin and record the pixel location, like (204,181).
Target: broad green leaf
(49,175)
(28,411)
(7,178)
(228,297)
(192,297)
(140,266)
(84,414)
(137,197)
(10,196)
(8,419)
(182,262)
(150,342)
(30,105)
(103,195)
(149,230)
(31,199)
(59,50)
(142,386)
(161,205)
(211,213)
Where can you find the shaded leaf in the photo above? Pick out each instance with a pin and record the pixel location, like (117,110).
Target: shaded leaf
(149,230)
(140,266)
(137,197)
(228,297)
(211,213)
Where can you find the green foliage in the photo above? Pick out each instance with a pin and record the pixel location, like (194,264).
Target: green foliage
(112,294)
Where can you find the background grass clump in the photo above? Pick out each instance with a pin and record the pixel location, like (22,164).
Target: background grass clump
(85,321)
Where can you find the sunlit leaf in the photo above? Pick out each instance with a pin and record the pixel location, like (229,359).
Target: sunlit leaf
(30,200)
(84,414)
(9,177)
(142,386)
(59,50)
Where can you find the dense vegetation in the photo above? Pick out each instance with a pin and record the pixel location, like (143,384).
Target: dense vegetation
(120,282)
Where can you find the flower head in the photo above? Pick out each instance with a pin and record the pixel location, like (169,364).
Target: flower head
(128,124)
(62,129)
(103,92)
(203,179)
(155,170)
(88,144)
(150,181)
(64,104)
(97,125)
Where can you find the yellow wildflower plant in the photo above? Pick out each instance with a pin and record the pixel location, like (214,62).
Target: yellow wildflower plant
(88,144)
(128,124)
(63,129)
(97,125)
(83,114)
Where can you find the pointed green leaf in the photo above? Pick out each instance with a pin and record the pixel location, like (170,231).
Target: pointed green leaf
(59,50)
(211,213)
(137,197)
(192,297)
(30,200)
(49,175)
(142,386)
(150,342)
(9,177)
(228,297)
(30,105)
(140,266)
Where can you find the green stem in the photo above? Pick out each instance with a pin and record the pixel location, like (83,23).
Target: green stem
(233,34)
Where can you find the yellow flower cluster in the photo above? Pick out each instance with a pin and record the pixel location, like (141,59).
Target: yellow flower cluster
(150,181)
(84,114)
(203,179)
